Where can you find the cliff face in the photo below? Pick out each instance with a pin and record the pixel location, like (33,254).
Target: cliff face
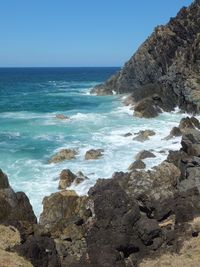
(167,64)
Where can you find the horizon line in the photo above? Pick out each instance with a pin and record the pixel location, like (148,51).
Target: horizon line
(28,67)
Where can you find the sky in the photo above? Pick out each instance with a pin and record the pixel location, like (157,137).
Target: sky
(74,33)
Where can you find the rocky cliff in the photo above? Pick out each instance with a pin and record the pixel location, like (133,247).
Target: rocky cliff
(165,69)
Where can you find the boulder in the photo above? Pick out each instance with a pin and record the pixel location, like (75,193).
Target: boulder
(63,154)
(66,179)
(93,154)
(191,142)
(188,122)
(147,108)
(144,154)
(138,164)
(144,135)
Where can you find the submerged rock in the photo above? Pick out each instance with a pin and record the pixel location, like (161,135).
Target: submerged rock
(144,154)
(127,134)
(62,117)
(144,135)
(63,154)
(93,154)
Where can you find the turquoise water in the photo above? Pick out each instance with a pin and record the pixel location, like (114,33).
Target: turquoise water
(30,132)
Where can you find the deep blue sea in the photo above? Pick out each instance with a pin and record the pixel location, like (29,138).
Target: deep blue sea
(30,133)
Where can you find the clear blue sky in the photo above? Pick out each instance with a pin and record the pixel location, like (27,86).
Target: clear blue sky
(78,32)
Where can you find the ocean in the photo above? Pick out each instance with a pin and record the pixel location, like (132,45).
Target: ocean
(30,133)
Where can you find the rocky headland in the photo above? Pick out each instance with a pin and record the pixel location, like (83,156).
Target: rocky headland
(164,71)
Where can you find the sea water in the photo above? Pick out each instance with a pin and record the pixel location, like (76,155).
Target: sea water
(30,133)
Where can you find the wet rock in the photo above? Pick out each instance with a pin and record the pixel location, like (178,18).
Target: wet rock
(127,134)
(129,101)
(144,154)
(66,179)
(174,133)
(93,154)
(188,122)
(191,142)
(146,108)
(62,117)
(80,177)
(138,164)
(63,154)
(144,135)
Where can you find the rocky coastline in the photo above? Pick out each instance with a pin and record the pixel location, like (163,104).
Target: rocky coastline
(164,71)
(138,218)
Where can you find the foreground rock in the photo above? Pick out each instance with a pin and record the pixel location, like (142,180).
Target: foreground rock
(65,216)
(144,154)
(144,135)
(63,154)
(166,65)
(94,154)
(15,207)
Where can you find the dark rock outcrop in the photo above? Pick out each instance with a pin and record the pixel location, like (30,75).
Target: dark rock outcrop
(165,65)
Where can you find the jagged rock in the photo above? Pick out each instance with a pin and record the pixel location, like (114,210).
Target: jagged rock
(188,123)
(138,164)
(3,180)
(191,142)
(14,206)
(64,214)
(146,108)
(63,154)
(174,133)
(40,251)
(66,179)
(144,135)
(166,64)
(62,117)
(144,154)
(93,154)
